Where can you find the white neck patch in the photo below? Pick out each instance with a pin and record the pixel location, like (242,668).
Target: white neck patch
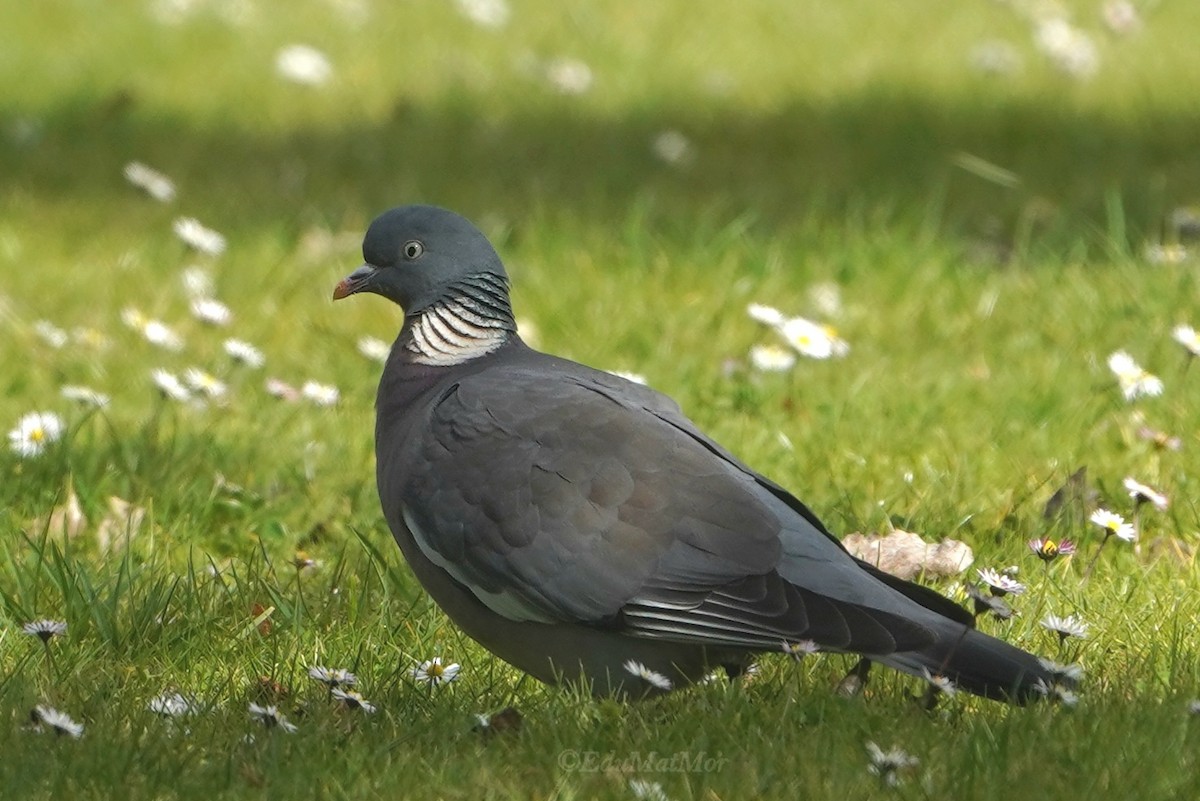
(451,333)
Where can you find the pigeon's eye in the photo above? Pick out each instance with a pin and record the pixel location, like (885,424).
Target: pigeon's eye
(413,249)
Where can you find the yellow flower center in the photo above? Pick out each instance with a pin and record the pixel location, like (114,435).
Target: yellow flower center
(38,434)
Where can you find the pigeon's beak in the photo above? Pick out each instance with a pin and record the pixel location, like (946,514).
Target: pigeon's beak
(356,281)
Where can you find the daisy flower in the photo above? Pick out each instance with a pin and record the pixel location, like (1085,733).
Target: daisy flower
(59,722)
(197,282)
(34,432)
(1113,523)
(303,64)
(771,358)
(353,700)
(170,705)
(939,683)
(887,764)
(1135,382)
(197,237)
(84,395)
(1000,584)
(1166,254)
(170,386)
(1140,493)
(1121,17)
(1065,674)
(1188,337)
(271,717)
(332,677)
(647,790)
(651,677)
(569,76)
(1069,49)
(213,312)
(156,332)
(45,629)
(151,181)
(1048,550)
(767,315)
(986,602)
(485,13)
(277,388)
(1160,439)
(244,352)
(320,394)
(800,649)
(49,333)
(1057,692)
(204,382)
(434,673)
(1064,627)
(374,349)
(813,340)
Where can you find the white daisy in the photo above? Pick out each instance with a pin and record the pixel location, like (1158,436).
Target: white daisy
(767,315)
(151,181)
(244,352)
(197,282)
(320,394)
(1144,494)
(34,432)
(204,383)
(939,682)
(1166,254)
(211,311)
(170,386)
(485,13)
(1057,692)
(434,673)
(49,333)
(159,333)
(1113,523)
(1064,627)
(271,717)
(673,148)
(570,76)
(1069,49)
(1133,380)
(1188,337)
(171,705)
(374,349)
(45,629)
(59,722)
(651,677)
(352,700)
(772,358)
(303,64)
(999,583)
(813,340)
(887,764)
(197,237)
(84,395)
(333,677)
(647,790)
(1070,674)
(800,648)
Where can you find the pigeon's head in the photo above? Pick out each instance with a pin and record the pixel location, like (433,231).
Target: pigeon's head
(414,255)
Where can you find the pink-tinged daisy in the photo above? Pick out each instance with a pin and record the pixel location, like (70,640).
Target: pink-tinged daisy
(151,181)
(35,432)
(45,629)
(58,722)
(1121,17)
(1160,439)
(651,677)
(434,673)
(1064,627)
(1048,550)
(272,718)
(198,237)
(278,388)
(352,700)
(1113,523)
(1140,493)
(1000,584)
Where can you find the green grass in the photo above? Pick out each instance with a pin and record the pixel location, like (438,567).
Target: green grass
(829,143)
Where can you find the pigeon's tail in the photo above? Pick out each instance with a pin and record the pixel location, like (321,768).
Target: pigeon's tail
(979,664)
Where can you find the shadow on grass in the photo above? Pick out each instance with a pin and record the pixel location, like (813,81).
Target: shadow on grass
(876,158)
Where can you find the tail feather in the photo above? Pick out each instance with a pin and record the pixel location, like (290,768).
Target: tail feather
(977,663)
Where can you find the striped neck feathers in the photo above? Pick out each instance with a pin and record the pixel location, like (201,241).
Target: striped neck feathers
(473,319)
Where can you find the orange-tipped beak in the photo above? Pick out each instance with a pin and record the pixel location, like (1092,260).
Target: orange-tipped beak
(356,281)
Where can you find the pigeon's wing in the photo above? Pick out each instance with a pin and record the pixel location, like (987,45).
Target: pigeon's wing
(562,496)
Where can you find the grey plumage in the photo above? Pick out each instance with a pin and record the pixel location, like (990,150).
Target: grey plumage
(571,521)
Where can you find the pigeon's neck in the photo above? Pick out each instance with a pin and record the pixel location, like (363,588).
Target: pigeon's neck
(473,319)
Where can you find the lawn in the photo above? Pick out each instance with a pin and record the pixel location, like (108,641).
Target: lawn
(984,202)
